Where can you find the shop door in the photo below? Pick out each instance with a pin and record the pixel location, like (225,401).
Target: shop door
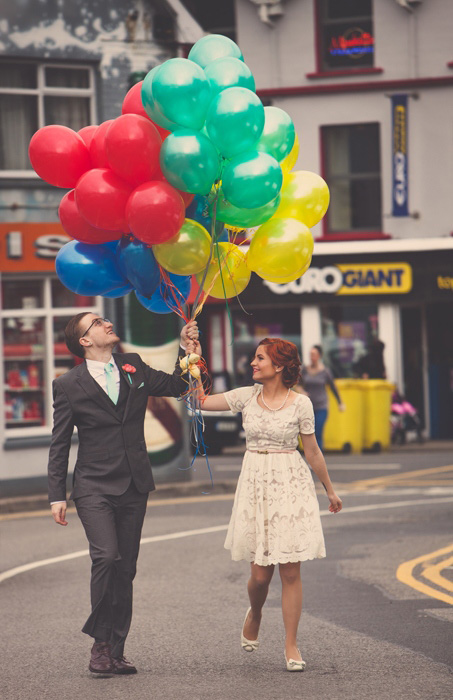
(440,369)
(411,327)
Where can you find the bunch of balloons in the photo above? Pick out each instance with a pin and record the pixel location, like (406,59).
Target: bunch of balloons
(150,191)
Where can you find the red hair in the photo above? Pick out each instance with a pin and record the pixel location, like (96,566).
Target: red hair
(284,354)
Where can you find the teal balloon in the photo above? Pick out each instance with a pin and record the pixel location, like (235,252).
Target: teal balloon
(149,104)
(244,218)
(235,121)
(278,134)
(211,47)
(228,72)
(190,161)
(181,92)
(252,180)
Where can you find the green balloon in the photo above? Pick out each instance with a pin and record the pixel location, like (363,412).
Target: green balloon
(149,104)
(181,92)
(252,180)
(190,161)
(278,134)
(235,121)
(228,72)
(188,252)
(211,47)
(244,218)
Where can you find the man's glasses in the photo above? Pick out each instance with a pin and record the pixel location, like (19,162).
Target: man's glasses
(96,322)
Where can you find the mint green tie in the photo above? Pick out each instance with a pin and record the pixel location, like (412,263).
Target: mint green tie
(112,389)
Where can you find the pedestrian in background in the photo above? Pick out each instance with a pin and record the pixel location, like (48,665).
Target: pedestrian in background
(275,518)
(315,378)
(371,365)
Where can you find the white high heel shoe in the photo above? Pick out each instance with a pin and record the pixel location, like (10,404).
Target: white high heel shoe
(248,644)
(293,665)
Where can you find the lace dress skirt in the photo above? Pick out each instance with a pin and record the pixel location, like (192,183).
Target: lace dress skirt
(275,516)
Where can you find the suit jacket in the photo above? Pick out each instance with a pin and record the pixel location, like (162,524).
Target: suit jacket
(112,447)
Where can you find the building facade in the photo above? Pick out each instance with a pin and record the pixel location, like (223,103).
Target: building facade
(369,86)
(71,64)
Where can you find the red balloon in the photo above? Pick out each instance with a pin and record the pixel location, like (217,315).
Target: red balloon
(133,144)
(132,104)
(155,212)
(75,225)
(97,146)
(59,155)
(87,134)
(101,198)
(187,197)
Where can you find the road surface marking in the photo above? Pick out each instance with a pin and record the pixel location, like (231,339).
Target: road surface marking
(207,530)
(412,478)
(432,573)
(405,574)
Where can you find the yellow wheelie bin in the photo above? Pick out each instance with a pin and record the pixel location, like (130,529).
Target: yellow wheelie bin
(344,430)
(377,400)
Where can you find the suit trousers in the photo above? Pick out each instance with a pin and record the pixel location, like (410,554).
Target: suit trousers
(113,526)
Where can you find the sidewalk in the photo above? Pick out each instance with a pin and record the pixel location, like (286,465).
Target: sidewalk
(197,485)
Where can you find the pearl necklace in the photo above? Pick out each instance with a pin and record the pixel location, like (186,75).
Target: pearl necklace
(273,410)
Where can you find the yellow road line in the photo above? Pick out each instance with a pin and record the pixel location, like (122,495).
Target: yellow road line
(152,502)
(405,574)
(432,573)
(400,478)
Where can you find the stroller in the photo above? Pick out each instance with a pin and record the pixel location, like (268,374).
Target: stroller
(404,419)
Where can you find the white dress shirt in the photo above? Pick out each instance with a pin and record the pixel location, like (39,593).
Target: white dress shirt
(96,369)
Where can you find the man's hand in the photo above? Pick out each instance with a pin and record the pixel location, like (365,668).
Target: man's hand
(189,337)
(59,512)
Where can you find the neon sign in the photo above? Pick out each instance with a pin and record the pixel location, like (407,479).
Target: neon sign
(354,43)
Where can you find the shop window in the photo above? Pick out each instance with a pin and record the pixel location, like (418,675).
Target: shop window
(347,333)
(345,34)
(34,314)
(352,169)
(249,330)
(33,95)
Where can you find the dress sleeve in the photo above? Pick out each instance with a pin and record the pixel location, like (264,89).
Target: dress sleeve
(306,416)
(238,398)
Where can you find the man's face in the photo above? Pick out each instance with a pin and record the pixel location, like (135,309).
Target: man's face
(97,332)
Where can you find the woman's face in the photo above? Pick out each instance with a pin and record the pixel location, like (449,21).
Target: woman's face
(262,365)
(314,356)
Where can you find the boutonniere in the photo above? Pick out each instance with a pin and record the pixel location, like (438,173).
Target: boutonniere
(130,369)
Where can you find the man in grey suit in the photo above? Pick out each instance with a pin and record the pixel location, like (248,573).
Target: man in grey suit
(105,397)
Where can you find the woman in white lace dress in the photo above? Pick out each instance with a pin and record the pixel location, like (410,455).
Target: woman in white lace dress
(275,518)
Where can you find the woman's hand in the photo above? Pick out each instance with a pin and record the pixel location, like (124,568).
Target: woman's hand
(341,406)
(335,502)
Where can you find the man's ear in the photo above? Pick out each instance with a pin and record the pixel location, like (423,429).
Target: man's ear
(84,342)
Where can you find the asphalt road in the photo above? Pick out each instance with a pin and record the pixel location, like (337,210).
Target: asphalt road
(378,611)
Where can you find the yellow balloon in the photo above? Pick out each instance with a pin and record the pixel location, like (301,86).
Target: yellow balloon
(280,249)
(291,278)
(304,196)
(290,160)
(188,252)
(234,272)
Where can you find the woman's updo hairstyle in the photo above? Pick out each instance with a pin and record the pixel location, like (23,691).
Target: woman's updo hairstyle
(284,354)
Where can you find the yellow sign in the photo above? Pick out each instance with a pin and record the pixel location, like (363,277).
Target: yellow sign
(376,278)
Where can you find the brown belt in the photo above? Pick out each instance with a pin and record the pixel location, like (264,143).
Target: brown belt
(271,452)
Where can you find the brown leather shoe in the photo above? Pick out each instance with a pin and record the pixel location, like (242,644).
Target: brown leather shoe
(101,660)
(122,665)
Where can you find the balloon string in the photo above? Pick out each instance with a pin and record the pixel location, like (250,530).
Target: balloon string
(172,296)
(196,306)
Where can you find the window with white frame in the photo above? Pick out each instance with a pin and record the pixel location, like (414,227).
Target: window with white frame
(33,95)
(34,313)
(352,169)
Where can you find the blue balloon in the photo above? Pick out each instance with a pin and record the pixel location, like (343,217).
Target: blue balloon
(119,292)
(87,269)
(166,299)
(198,210)
(138,264)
